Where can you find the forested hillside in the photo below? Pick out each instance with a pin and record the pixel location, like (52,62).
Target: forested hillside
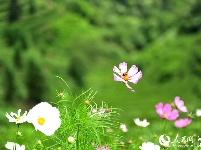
(82,40)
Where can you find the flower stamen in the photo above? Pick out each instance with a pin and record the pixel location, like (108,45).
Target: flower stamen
(125,76)
(41,121)
(18,118)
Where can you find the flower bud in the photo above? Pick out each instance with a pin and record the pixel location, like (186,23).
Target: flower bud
(140,138)
(71,139)
(39,142)
(61,94)
(87,102)
(130,142)
(107,110)
(19,133)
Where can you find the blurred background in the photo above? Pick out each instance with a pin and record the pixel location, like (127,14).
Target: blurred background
(81,41)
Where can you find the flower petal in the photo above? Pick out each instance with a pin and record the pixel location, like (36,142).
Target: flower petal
(182,122)
(159,109)
(173,115)
(18,113)
(123,67)
(180,104)
(129,87)
(137,121)
(116,70)
(13,114)
(134,79)
(132,71)
(117,78)
(183,109)
(159,106)
(167,108)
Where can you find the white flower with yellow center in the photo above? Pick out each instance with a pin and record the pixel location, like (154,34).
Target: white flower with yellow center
(143,123)
(13,117)
(45,118)
(14,146)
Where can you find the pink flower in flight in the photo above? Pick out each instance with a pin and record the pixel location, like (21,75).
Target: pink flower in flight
(124,76)
(166,111)
(182,122)
(180,104)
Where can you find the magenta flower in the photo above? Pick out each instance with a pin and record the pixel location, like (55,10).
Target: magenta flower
(181,123)
(166,111)
(180,104)
(124,76)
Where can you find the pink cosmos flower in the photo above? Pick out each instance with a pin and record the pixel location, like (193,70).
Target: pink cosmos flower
(166,111)
(182,122)
(124,76)
(180,104)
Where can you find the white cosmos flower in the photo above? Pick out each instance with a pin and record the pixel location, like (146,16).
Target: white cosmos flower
(149,146)
(14,146)
(123,128)
(45,118)
(198,112)
(143,123)
(13,117)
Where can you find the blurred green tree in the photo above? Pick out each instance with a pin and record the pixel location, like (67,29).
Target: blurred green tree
(77,70)
(191,23)
(9,84)
(17,58)
(15,11)
(32,6)
(15,35)
(35,82)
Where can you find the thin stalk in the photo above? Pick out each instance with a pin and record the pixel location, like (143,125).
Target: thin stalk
(18,126)
(66,84)
(164,126)
(77,138)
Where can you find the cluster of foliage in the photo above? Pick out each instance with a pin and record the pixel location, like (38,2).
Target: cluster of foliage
(78,121)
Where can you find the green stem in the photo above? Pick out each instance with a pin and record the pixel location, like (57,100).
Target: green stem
(18,126)
(164,126)
(77,138)
(185,132)
(66,84)
(42,140)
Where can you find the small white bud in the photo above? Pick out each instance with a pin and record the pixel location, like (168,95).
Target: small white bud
(71,139)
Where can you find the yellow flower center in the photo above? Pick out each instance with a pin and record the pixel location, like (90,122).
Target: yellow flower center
(18,118)
(41,121)
(125,76)
(165,115)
